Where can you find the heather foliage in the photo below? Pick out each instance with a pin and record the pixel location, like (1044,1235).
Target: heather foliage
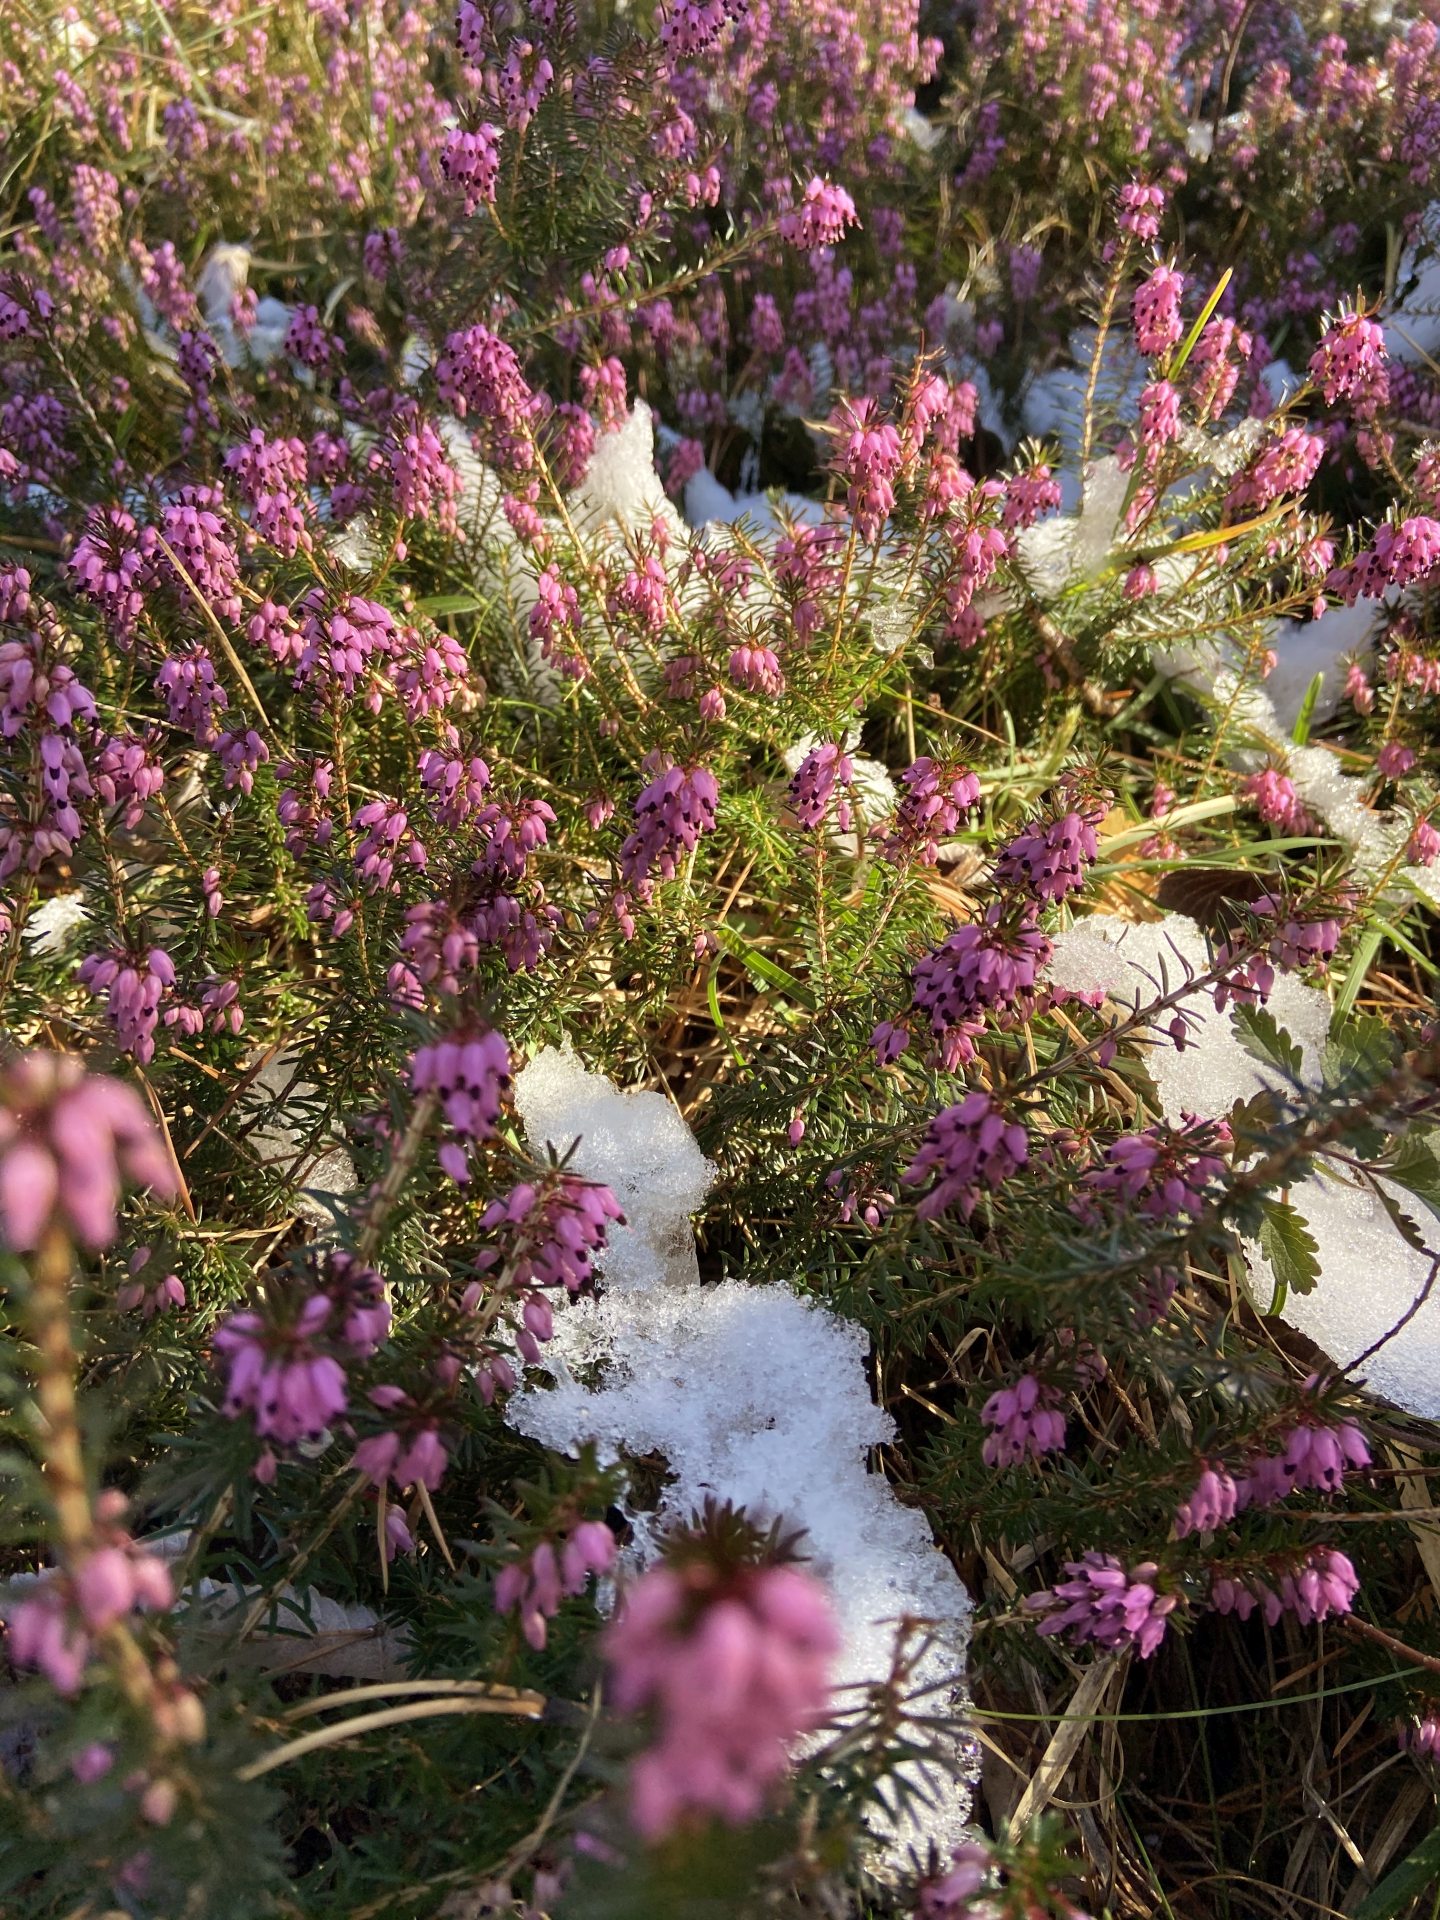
(870,567)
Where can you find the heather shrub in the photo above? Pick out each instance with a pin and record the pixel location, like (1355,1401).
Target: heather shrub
(718,850)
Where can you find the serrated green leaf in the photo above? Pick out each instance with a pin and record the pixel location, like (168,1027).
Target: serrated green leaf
(1289,1246)
(1414,1163)
(1265,1039)
(1360,1047)
(1415,1875)
(1401,1221)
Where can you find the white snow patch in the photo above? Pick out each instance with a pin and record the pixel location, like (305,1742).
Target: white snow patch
(49,927)
(622,491)
(1323,646)
(752,1394)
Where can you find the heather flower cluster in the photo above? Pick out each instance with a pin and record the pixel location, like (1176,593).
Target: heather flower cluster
(54,1629)
(732,1673)
(968,1148)
(1107,1605)
(69,1140)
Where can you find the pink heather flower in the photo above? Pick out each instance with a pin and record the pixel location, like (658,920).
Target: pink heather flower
(1159,416)
(1399,556)
(35,691)
(888,1042)
(1426,477)
(522,82)
(342,646)
(410,1451)
(52,1627)
(133,992)
(1164,1172)
(241,755)
(193,695)
(510,831)
(536,1585)
(555,624)
(470,161)
(1424,846)
(1024,1422)
(469,1074)
(282,1373)
(1316,1457)
(968,1147)
(988,966)
(640,599)
(1213,1501)
(550,1233)
(150,1297)
(948,1893)
(670,816)
(1298,943)
(1248,982)
(688,27)
(1140,210)
(455,785)
(687,458)
(199,535)
(1394,760)
(68,1140)
(1213,373)
(423,484)
(767,329)
(1349,364)
(604,388)
(388,838)
(92,1763)
(1155,312)
(361,1313)
(1029,496)
(823,769)
(1050,859)
(756,669)
(936,797)
(868,459)
(1104,1604)
(43,1633)
(478,373)
(977,553)
(271,477)
(820,220)
(1358,690)
(113,564)
(731,1675)
(572,444)
(114,1580)
(308,341)
(1275,800)
(1286,465)
(1324,1582)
